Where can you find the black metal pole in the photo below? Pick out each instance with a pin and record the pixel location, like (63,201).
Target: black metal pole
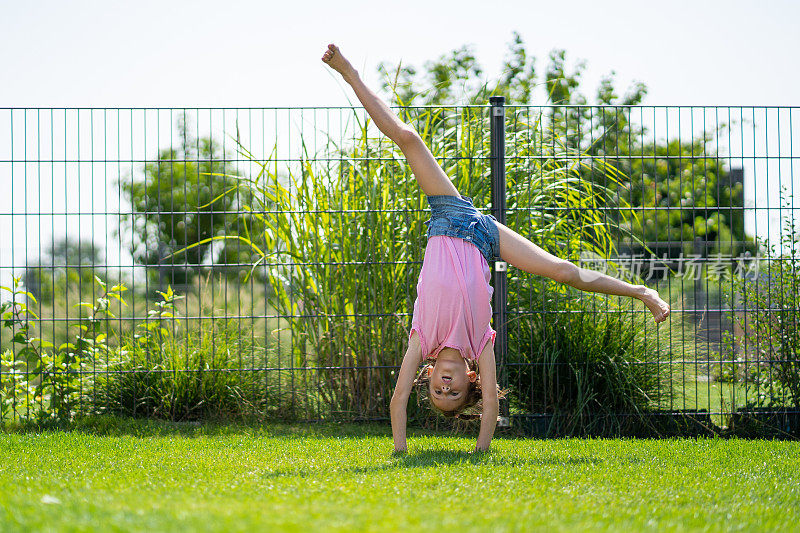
(498,162)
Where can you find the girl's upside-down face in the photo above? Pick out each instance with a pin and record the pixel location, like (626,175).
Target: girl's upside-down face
(450,378)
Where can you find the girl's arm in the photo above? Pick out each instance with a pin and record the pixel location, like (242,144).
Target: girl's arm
(491,405)
(405,381)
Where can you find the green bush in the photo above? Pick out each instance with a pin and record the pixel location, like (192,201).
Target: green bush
(163,369)
(768,352)
(211,371)
(48,382)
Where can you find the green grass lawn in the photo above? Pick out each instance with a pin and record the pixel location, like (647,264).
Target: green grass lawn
(710,395)
(123,475)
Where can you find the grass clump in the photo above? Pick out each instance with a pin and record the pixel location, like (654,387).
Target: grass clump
(199,376)
(345,282)
(593,365)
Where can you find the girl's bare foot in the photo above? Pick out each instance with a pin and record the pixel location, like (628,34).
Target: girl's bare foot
(334,58)
(657,306)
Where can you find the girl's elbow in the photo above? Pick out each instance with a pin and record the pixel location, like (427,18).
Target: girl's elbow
(491,405)
(398,401)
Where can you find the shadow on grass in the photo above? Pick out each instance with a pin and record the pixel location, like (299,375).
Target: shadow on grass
(435,458)
(427,458)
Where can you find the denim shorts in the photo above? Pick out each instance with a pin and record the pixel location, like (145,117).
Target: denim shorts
(457,217)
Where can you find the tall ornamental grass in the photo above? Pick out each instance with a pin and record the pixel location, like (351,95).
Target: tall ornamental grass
(591,364)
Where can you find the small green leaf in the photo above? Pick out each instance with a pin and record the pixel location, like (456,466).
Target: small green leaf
(45,344)
(31,296)
(118,297)
(29,355)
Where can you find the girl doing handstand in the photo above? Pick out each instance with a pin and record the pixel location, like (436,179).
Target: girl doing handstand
(451,322)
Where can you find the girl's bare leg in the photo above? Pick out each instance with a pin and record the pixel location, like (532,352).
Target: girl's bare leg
(430,176)
(523,254)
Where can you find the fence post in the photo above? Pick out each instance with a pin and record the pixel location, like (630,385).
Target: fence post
(498,169)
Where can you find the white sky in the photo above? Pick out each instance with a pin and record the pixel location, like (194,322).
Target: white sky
(265,54)
(237,53)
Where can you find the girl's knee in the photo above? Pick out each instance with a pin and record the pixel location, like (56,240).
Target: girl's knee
(566,272)
(405,137)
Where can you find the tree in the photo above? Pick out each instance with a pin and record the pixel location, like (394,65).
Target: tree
(65,261)
(179,204)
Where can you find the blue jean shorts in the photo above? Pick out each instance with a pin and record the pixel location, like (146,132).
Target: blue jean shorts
(457,217)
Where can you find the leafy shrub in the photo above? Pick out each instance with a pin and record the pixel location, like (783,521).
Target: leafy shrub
(164,373)
(768,352)
(157,370)
(49,383)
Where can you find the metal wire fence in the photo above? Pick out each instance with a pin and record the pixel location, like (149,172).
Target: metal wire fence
(198,262)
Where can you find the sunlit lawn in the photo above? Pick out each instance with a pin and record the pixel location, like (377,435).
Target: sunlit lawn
(712,396)
(125,475)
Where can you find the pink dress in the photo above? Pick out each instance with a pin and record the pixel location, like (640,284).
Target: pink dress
(454,299)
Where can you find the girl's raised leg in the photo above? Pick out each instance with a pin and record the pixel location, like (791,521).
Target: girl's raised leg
(430,176)
(523,254)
